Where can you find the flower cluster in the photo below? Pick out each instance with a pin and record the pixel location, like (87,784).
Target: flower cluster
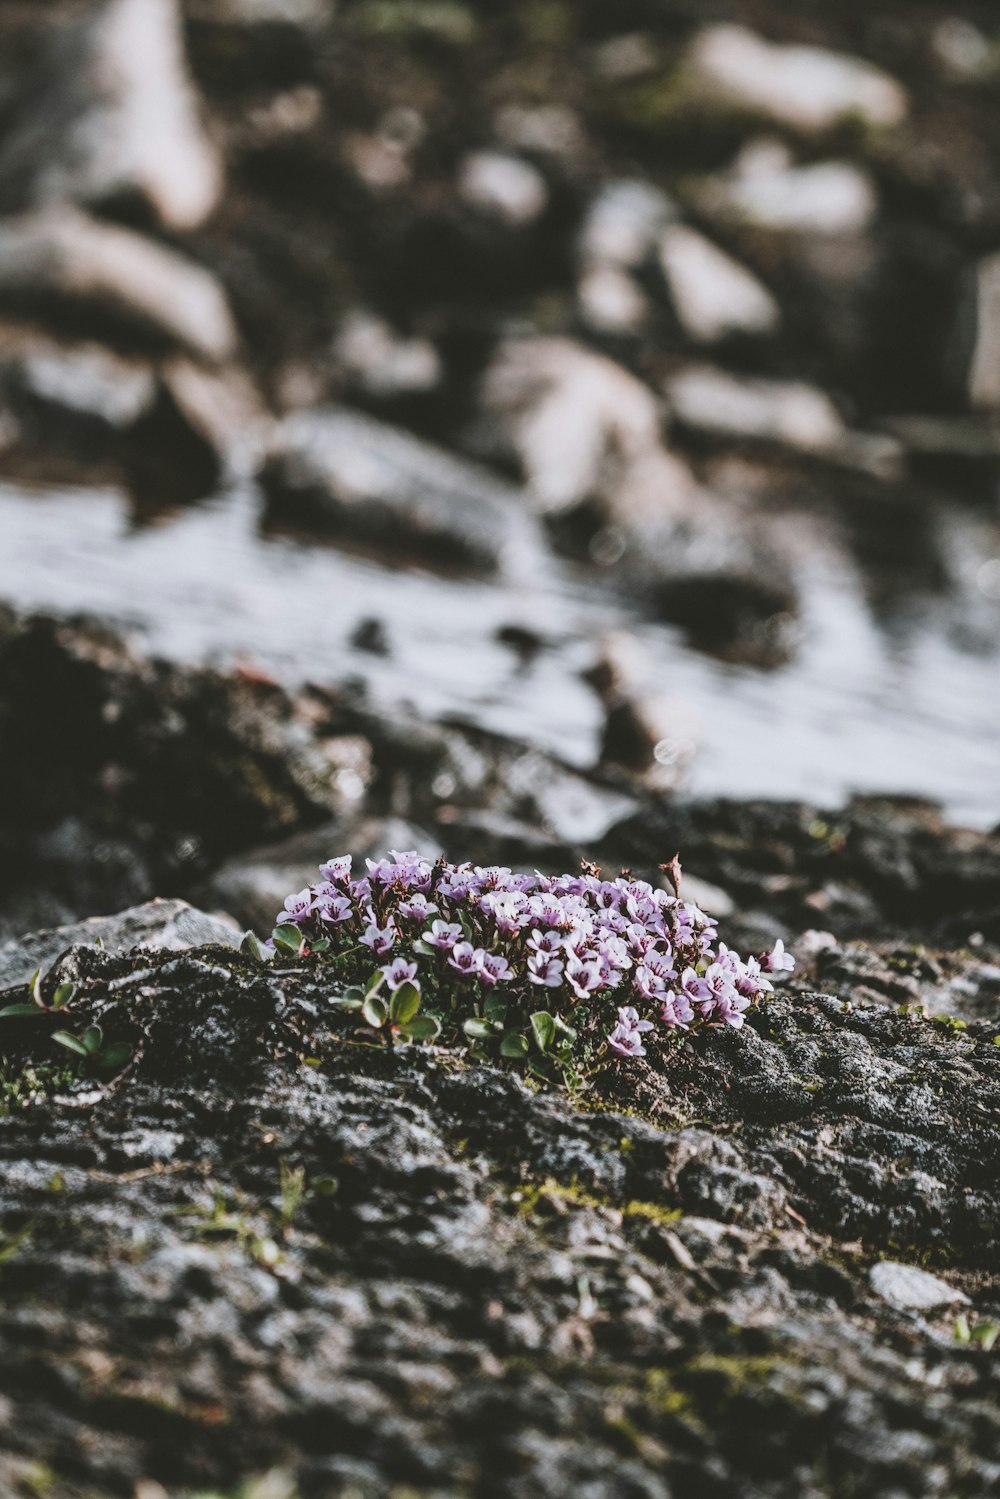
(571,965)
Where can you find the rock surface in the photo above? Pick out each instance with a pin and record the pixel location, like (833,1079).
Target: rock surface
(371,1270)
(111,115)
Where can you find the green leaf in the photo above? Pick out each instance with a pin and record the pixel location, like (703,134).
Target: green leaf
(13,1010)
(323,945)
(115,1055)
(423,947)
(543,1026)
(70,1042)
(477,1030)
(421,1028)
(35,985)
(515,1046)
(375,983)
(253,947)
(92,1038)
(375,1012)
(495,1008)
(63,995)
(288,938)
(564,1030)
(404,1004)
(348,1002)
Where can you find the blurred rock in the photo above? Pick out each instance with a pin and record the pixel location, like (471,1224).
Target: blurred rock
(60,260)
(631,55)
(79,394)
(552,130)
(806,88)
(712,294)
(304,13)
(503,187)
(611,301)
(169,924)
(253,886)
(577,422)
(787,412)
(202,427)
(764,189)
(984,370)
(113,117)
(367,481)
(964,52)
(911,1289)
(623,224)
(377,360)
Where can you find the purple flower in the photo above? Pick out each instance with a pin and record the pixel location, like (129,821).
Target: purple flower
(778,960)
(466,959)
(400,971)
(379,939)
(298,908)
(626,1036)
(334,909)
(337,871)
(647,984)
(548,943)
(416,908)
(695,988)
(544,970)
(676,1010)
(443,934)
(583,977)
(495,969)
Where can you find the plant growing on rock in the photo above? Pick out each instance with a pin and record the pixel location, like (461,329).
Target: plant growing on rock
(553,973)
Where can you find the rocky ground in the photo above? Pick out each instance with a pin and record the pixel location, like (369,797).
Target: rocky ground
(267,1254)
(766,1265)
(629,291)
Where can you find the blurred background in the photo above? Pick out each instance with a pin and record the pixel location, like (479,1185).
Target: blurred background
(619,380)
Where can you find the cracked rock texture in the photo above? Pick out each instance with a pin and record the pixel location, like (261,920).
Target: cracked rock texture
(268,1249)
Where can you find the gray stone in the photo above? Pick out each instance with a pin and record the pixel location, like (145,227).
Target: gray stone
(503,187)
(114,114)
(713,295)
(765,189)
(371,482)
(910,1289)
(787,412)
(807,88)
(62,258)
(169,924)
(253,886)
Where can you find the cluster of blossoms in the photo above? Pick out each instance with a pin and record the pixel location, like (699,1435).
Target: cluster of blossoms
(617,957)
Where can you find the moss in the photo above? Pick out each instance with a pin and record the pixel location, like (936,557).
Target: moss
(530,1198)
(23,1086)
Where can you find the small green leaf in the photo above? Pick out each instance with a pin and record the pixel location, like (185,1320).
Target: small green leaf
(115,1055)
(253,947)
(543,1026)
(92,1038)
(421,1028)
(70,1042)
(323,945)
(515,1047)
(563,1030)
(63,995)
(477,1030)
(374,1011)
(287,938)
(13,1010)
(495,1008)
(375,983)
(35,986)
(404,1004)
(423,947)
(348,1002)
